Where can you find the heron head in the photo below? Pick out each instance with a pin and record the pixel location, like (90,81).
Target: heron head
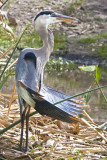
(45,18)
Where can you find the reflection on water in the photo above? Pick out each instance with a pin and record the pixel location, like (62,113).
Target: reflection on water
(72,83)
(78,81)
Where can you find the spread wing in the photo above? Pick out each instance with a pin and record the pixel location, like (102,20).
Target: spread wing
(43,103)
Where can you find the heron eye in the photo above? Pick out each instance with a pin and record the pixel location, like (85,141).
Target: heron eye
(52,14)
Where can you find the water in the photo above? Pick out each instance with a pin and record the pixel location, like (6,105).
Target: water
(74,82)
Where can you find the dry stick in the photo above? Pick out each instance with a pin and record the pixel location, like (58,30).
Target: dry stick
(13,91)
(5,123)
(68,134)
(12,150)
(14,124)
(84,144)
(92,150)
(8,105)
(88,117)
(1,52)
(89,125)
(7,51)
(1,99)
(8,95)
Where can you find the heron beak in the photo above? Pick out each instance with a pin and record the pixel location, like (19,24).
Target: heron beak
(64,18)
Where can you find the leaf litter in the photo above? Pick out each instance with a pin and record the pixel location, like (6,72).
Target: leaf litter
(50,139)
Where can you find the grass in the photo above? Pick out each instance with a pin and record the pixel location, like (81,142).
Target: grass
(72,7)
(93,38)
(59,41)
(94,41)
(102,51)
(87,40)
(99,19)
(76,4)
(102,35)
(5,40)
(32,40)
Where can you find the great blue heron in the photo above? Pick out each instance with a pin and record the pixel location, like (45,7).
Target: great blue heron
(29,78)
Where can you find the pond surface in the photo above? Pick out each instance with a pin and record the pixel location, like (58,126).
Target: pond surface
(74,82)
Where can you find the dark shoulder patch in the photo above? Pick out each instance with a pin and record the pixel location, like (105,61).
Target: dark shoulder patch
(43,13)
(31,57)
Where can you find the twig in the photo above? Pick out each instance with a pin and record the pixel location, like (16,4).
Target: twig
(14,124)
(7,95)
(88,117)
(67,134)
(89,125)
(3,54)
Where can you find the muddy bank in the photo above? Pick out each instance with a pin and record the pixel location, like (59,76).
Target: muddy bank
(82,59)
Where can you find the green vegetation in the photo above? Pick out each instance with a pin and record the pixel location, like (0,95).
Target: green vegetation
(59,65)
(97,42)
(70,158)
(5,40)
(97,77)
(76,4)
(38,158)
(32,40)
(93,38)
(8,61)
(99,19)
(103,70)
(60,41)
(87,40)
(102,51)
(72,7)
(102,35)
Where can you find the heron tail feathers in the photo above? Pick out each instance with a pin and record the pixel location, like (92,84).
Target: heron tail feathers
(45,107)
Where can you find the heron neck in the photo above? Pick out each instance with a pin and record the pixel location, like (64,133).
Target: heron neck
(48,40)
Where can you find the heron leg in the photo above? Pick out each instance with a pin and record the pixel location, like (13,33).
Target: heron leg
(22,129)
(27,126)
